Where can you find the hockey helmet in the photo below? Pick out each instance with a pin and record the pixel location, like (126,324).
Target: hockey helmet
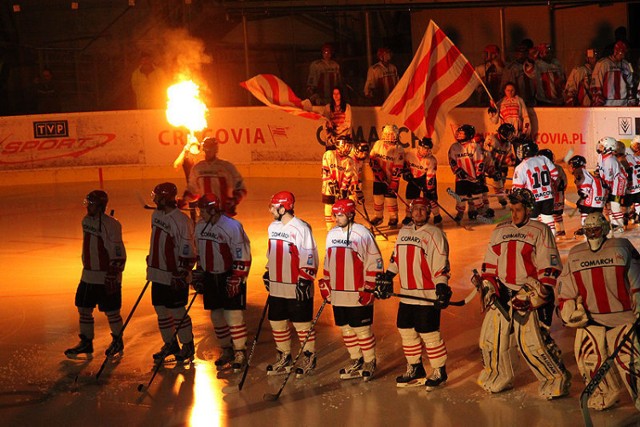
(420,201)
(390,133)
(465,133)
(209,202)
(98,198)
(547,153)
(527,149)
(543,49)
(166,190)
(426,143)
(635,145)
(344,145)
(506,131)
(596,227)
(285,199)
(362,150)
(344,206)
(607,144)
(522,195)
(591,53)
(577,162)
(621,149)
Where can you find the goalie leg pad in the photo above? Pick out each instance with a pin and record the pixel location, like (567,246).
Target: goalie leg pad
(590,350)
(626,361)
(542,355)
(497,374)
(411,345)
(436,350)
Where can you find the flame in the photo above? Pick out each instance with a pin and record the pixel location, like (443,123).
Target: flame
(184,106)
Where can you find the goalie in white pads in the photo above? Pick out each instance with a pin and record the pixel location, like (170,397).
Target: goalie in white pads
(292,263)
(224,259)
(520,268)
(351,263)
(421,260)
(599,295)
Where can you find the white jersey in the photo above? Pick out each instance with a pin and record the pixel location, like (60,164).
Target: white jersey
(633,186)
(468,156)
(550,82)
(515,253)
(591,190)
(606,280)
(422,166)
(172,245)
(291,255)
(499,153)
(381,79)
(537,174)
(611,82)
(351,263)
(223,247)
(612,174)
(386,161)
(513,111)
(421,261)
(323,77)
(102,247)
(338,172)
(577,90)
(219,177)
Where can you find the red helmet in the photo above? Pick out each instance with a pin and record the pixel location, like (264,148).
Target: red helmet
(97,197)
(344,206)
(209,201)
(492,48)
(285,199)
(420,201)
(167,190)
(327,46)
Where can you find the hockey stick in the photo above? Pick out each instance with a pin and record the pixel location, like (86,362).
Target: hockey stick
(119,336)
(273,397)
(461,199)
(374,227)
(235,388)
(141,387)
(460,303)
(601,373)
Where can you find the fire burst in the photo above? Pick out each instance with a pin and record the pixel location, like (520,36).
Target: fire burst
(185,108)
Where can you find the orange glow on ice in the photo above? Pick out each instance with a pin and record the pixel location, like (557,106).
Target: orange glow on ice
(207,402)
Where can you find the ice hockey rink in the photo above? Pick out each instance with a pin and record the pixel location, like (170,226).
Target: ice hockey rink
(39,386)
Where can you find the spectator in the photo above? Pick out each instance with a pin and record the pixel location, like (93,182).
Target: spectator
(47,100)
(576,91)
(491,74)
(382,77)
(521,73)
(324,75)
(612,79)
(550,77)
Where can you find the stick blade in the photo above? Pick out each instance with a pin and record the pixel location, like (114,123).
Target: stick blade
(269,397)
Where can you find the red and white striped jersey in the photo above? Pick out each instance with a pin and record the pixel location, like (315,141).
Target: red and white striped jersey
(381,79)
(421,261)
(219,177)
(420,166)
(499,153)
(633,186)
(351,262)
(172,245)
(592,187)
(468,156)
(101,246)
(386,161)
(577,90)
(291,255)
(513,111)
(611,82)
(339,170)
(550,82)
(340,120)
(606,280)
(223,247)
(537,174)
(515,253)
(323,77)
(613,174)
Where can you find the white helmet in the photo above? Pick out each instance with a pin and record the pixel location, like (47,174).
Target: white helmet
(596,227)
(390,133)
(635,145)
(607,144)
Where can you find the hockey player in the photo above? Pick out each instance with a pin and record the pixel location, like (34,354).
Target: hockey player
(538,174)
(592,192)
(612,79)
(520,269)
(632,198)
(467,161)
(339,175)
(351,263)
(382,77)
(421,259)
(559,187)
(615,178)
(490,72)
(224,260)
(498,147)
(360,156)
(172,255)
(217,176)
(599,296)
(420,174)
(387,161)
(324,75)
(550,77)
(577,90)
(103,260)
(292,263)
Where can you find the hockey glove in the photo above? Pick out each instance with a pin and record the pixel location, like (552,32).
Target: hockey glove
(394,185)
(573,313)
(461,174)
(344,194)
(360,197)
(443,293)
(384,285)
(489,292)
(367,298)
(266,280)
(304,290)
(179,280)
(407,175)
(197,280)
(234,283)
(325,289)
(332,187)
(538,293)
(492,111)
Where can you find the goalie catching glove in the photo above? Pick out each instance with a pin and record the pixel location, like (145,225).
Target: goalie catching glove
(531,296)
(573,313)
(384,285)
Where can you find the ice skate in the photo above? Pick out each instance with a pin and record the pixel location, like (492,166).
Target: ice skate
(225,359)
(472,215)
(307,366)
(415,376)
(281,366)
(376,221)
(84,349)
(368,369)
(393,223)
(185,355)
(352,370)
(489,213)
(167,350)
(437,379)
(239,361)
(458,217)
(116,348)
(503,203)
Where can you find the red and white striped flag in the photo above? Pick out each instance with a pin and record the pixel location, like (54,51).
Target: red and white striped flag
(438,79)
(275,93)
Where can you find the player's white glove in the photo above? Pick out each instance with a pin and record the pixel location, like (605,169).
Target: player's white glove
(573,313)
